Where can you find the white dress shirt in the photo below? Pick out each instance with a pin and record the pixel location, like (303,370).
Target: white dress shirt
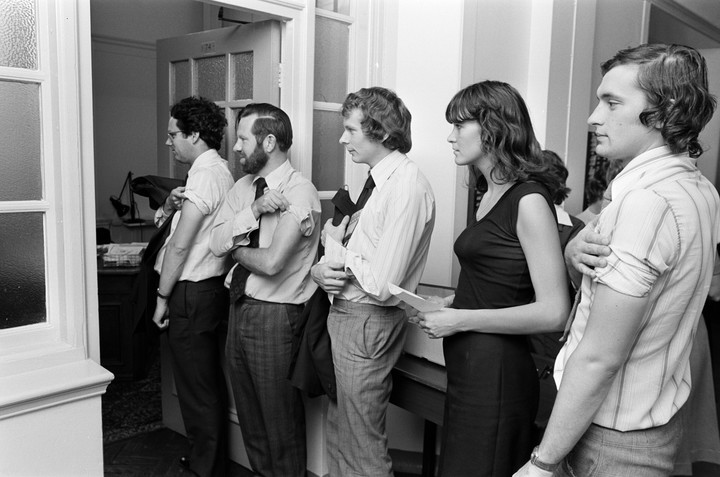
(391,240)
(663,223)
(235,220)
(209,179)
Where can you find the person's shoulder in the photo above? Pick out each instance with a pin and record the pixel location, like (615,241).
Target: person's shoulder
(300,188)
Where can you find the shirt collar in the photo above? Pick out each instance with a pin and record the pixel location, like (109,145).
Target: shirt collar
(278,176)
(205,159)
(387,165)
(650,166)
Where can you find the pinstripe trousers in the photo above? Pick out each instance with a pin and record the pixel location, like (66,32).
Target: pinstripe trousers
(367,341)
(270,410)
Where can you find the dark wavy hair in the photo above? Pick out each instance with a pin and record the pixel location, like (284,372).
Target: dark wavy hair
(674,79)
(270,120)
(195,114)
(384,114)
(506,132)
(557,167)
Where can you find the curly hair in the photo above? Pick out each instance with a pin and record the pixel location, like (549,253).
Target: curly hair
(270,120)
(195,114)
(557,167)
(506,133)
(674,79)
(385,117)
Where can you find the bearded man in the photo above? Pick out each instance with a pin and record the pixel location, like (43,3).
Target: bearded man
(269,223)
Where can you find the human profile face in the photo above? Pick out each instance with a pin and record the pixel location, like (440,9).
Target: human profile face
(620,134)
(362,149)
(253,157)
(179,143)
(466,142)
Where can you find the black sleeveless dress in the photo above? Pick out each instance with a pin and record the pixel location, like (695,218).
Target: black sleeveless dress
(492,393)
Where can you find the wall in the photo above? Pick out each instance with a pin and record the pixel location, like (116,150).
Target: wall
(710,136)
(124,92)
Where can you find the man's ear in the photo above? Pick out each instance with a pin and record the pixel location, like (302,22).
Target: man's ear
(269,143)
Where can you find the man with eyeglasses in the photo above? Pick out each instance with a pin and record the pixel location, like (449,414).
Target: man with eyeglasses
(191,297)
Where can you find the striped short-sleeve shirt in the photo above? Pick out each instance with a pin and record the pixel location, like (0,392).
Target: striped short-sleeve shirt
(663,223)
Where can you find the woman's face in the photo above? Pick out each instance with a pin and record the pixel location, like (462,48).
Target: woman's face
(466,142)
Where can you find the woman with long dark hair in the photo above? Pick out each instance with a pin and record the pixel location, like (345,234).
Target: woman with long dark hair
(512,283)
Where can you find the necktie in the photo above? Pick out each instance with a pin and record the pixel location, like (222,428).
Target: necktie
(241,274)
(362,200)
(365,194)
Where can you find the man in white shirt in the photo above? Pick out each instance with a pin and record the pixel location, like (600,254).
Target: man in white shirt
(191,298)
(269,223)
(386,241)
(624,372)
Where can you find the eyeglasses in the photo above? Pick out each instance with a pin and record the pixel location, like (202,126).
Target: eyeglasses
(172,134)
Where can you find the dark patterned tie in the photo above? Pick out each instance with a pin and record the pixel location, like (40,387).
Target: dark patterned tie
(241,274)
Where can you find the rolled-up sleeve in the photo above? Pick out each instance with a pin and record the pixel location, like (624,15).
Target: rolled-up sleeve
(644,243)
(233,223)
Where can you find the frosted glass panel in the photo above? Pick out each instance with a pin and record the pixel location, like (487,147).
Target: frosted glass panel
(337,6)
(243,67)
(331,60)
(181,81)
(328,161)
(20,154)
(211,74)
(18,34)
(22,273)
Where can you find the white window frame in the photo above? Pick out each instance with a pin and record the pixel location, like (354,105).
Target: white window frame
(70,332)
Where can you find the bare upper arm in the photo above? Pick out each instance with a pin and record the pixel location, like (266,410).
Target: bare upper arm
(188,226)
(613,325)
(537,231)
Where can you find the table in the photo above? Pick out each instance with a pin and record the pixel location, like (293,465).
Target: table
(125,347)
(419,386)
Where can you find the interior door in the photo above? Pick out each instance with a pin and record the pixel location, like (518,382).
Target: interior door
(231,66)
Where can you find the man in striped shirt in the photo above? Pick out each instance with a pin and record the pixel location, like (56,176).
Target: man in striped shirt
(385,242)
(624,373)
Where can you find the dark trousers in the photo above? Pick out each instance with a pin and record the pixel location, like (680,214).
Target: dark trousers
(198,325)
(270,410)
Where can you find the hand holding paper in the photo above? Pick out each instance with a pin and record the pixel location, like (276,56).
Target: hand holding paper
(415,301)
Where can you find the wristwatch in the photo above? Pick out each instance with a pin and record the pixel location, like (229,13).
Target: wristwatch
(535,460)
(160,295)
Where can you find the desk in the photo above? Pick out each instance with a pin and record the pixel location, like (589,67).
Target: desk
(419,386)
(124,347)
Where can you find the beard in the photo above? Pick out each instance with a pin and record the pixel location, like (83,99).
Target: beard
(255,162)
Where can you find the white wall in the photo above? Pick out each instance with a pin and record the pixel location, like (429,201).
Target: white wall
(710,137)
(124,90)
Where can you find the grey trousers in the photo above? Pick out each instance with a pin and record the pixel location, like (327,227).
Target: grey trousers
(270,410)
(367,341)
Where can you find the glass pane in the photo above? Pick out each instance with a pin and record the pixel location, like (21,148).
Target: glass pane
(331,60)
(22,274)
(20,156)
(181,81)
(337,6)
(243,68)
(211,74)
(18,34)
(328,161)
